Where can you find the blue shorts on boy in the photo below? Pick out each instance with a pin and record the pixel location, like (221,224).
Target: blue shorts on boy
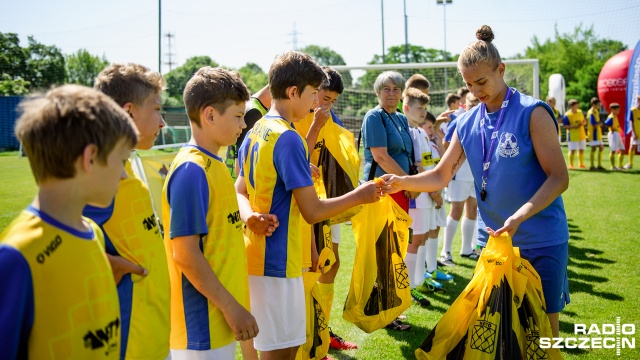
(58,297)
(199,198)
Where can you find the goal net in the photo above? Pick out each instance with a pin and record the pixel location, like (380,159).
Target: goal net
(358,96)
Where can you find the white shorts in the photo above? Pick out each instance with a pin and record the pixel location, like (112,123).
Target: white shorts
(577,145)
(278,305)
(441,217)
(615,141)
(335,233)
(461,190)
(635,141)
(595,143)
(420,223)
(227,352)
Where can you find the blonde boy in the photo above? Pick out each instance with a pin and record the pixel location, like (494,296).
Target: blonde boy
(133,241)
(275,178)
(58,297)
(414,106)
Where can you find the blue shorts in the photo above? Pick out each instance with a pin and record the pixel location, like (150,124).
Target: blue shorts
(551,264)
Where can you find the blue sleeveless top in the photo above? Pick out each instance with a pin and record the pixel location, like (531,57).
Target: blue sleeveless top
(514,176)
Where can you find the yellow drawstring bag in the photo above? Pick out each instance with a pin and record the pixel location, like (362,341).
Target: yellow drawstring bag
(500,314)
(318,339)
(335,154)
(379,289)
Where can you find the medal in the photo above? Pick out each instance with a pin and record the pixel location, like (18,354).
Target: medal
(486,155)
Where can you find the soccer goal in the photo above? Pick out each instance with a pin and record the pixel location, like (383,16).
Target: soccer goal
(359,97)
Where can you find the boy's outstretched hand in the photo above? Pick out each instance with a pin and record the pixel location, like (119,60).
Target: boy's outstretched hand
(369,192)
(393,183)
(241,322)
(263,224)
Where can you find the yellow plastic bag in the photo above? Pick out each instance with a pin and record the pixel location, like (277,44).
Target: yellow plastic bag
(500,314)
(338,159)
(318,339)
(379,289)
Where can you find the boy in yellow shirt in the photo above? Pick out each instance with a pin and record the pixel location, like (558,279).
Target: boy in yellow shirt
(595,133)
(275,178)
(634,115)
(574,122)
(616,145)
(203,228)
(58,297)
(132,237)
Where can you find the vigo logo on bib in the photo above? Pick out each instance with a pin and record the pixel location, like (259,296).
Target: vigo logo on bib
(508,145)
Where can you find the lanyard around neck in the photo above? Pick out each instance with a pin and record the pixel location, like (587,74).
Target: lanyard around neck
(486,155)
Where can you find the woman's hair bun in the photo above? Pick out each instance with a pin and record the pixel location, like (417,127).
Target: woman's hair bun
(485,33)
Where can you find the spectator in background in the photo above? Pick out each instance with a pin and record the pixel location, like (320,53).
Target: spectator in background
(551,101)
(634,115)
(595,133)
(574,122)
(616,145)
(385,132)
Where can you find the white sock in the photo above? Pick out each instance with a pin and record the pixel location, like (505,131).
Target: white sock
(467,235)
(474,238)
(432,254)
(410,261)
(449,233)
(419,272)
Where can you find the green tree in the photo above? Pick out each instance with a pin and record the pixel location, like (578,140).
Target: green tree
(578,56)
(82,67)
(10,86)
(45,65)
(253,77)
(178,77)
(417,54)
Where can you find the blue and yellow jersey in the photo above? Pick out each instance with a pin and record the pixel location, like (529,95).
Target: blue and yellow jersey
(612,123)
(634,113)
(274,160)
(199,198)
(58,297)
(131,231)
(593,119)
(573,119)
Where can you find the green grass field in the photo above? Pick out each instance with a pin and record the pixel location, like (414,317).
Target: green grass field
(604,275)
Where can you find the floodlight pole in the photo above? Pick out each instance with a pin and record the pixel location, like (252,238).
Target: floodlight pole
(444,4)
(406,35)
(382,17)
(160,36)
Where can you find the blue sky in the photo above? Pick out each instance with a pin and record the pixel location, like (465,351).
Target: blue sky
(236,32)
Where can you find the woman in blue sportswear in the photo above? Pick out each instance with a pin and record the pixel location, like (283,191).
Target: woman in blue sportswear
(519,172)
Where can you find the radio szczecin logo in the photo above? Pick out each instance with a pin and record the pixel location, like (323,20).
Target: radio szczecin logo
(605,336)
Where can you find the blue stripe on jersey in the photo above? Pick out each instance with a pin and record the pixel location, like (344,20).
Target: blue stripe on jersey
(125,297)
(275,256)
(188,196)
(196,316)
(88,235)
(125,287)
(16,303)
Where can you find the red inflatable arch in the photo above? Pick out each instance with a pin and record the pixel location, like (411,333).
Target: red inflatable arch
(612,86)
